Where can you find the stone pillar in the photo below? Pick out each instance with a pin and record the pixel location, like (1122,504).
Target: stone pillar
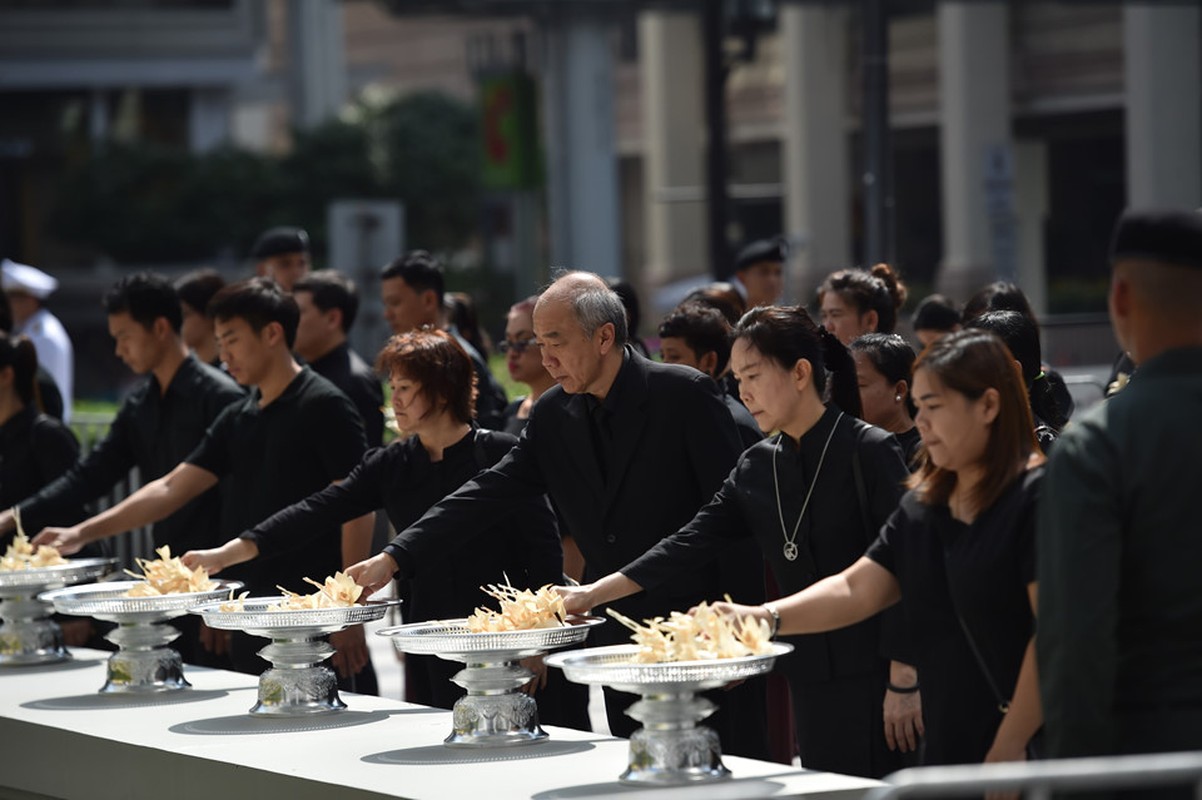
(816,160)
(208,119)
(975,144)
(1164,107)
(671,67)
(1032,206)
(317,60)
(582,163)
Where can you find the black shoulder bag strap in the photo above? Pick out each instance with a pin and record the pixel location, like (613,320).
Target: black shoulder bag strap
(862,493)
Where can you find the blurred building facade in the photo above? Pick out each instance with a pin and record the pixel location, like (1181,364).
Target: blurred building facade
(1019,130)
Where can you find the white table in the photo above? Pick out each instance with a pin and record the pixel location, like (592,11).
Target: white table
(59,738)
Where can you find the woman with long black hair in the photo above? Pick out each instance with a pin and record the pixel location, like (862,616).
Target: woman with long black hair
(814,497)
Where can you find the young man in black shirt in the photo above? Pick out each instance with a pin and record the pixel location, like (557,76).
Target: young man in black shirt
(294,434)
(159,423)
(328,303)
(412,288)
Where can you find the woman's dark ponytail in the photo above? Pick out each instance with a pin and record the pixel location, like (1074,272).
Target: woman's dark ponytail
(845,388)
(19,353)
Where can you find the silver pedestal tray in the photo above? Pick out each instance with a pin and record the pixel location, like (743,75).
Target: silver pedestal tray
(27,634)
(493,712)
(670,748)
(143,663)
(297,683)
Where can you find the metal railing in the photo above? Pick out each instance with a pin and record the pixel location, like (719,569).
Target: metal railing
(1037,780)
(90,427)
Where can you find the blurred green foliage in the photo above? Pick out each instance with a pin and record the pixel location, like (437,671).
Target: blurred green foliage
(140,203)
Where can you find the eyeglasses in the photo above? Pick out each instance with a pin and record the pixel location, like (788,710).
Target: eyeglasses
(518,347)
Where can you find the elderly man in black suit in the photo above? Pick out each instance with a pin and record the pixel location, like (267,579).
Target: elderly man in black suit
(628,450)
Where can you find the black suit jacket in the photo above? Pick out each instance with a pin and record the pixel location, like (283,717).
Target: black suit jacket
(674,442)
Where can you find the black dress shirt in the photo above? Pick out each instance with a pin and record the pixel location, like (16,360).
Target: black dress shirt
(153,431)
(35,449)
(344,368)
(298,444)
(982,572)
(490,397)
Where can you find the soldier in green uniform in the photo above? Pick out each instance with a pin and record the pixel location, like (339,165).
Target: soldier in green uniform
(1119,538)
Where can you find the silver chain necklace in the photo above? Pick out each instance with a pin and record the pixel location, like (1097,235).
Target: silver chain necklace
(790,548)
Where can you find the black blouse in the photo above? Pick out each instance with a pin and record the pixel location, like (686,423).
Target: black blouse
(833,533)
(981,571)
(35,449)
(522,544)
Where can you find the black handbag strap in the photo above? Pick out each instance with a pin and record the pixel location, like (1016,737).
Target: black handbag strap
(862,493)
(1003,705)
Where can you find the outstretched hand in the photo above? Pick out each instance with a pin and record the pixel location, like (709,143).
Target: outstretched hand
(374,573)
(210,560)
(66,540)
(576,599)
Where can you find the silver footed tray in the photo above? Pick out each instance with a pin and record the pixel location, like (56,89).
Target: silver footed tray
(493,712)
(27,634)
(297,683)
(143,662)
(670,748)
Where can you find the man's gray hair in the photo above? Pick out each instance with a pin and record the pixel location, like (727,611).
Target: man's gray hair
(594,304)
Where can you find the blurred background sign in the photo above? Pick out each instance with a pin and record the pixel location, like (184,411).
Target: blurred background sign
(509,131)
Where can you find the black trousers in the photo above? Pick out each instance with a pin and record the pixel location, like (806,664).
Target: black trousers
(840,725)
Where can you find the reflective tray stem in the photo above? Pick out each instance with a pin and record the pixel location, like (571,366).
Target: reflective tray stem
(671,748)
(297,684)
(27,633)
(494,712)
(143,663)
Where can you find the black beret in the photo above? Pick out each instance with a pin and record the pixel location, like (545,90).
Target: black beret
(774,249)
(1168,236)
(278,241)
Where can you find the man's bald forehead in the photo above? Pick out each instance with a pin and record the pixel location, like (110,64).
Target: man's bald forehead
(570,285)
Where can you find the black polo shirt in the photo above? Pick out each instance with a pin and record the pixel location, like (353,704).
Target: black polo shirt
(344,368)
(153,431)
(298,444)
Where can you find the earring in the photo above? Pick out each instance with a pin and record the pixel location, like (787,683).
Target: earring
(897,398)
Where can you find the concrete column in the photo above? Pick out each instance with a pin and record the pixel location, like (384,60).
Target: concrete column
(1164,107)
(976,147)
(1032,206)
(208,119)
(671,67)
(816,161)
(317,60)
(582,162)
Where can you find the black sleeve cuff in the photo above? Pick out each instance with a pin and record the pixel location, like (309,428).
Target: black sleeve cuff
(404,562)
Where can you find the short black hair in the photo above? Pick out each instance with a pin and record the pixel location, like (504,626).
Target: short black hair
(1019,333)
(997,296)
(703,328)
(198,287)
(936,313)
(775,249)
(260,302)
(145,296)
(331,289)
(421,271)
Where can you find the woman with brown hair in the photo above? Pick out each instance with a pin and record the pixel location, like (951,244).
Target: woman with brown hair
(856,301)
(433,398)
(960,551)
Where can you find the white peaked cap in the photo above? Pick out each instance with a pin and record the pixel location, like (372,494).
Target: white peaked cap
(27,279)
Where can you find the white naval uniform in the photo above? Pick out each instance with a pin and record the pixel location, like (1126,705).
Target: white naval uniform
(55,352)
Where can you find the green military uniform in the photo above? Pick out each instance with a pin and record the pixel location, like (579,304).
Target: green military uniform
(1120,569)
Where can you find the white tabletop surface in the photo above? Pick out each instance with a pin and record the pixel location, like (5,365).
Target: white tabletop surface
(59,738)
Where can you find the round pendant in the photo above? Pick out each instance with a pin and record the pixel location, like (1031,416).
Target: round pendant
(791,551)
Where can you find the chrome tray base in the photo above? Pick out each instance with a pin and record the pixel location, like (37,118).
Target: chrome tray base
(27,633)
